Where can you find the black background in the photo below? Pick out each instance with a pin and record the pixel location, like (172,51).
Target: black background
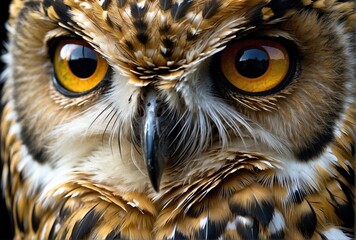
(6,231)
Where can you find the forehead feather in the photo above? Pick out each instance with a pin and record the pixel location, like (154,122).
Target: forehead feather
(149,38)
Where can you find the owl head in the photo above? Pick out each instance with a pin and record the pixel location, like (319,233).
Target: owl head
(141,93)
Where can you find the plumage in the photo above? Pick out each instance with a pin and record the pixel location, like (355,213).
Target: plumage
(174,138)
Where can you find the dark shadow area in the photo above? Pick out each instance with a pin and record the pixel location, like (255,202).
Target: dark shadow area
(6,231)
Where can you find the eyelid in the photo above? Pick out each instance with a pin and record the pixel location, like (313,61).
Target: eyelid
(56,34)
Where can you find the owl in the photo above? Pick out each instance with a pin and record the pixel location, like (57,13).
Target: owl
(180,119)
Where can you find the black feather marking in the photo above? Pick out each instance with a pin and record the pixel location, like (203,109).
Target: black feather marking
(164,29)
(297,196)
(137,11)
(210,8)
(165,4)
(215,229)
(345,211)
(179,10)
(35,220)
(105,4)
(307,223)
(279,7)
(254,15)
(38,154)
(348,174)
(114,234)
(261,210)
(9,177)
(140,25)
(167,54)
(63,212)
(195,211)
(202,233)
(121,3)
(110,23)
(129,44)
(83,227)
(168,43)
(63,11)
(19,221)
(317,145)
(277,235)
(142,37)
(27,136)
(191,36)
(179,236)
(211,230)
(47,3)
(248,231)
(21,176)
(52,233)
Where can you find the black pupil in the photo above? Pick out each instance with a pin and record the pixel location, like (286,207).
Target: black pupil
(252,63)
(82,61)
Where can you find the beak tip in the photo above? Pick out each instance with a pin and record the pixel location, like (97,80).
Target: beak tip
(155,175)
(155,184)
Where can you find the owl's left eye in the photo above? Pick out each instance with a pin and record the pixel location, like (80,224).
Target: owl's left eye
(257,66)
(78,68)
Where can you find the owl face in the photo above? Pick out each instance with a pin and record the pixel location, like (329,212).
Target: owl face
(133,92)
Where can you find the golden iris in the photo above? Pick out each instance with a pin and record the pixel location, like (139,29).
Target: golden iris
(78,67)
(255,66)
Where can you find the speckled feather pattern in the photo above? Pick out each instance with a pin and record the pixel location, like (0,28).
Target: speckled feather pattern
(241,200)
(264,188)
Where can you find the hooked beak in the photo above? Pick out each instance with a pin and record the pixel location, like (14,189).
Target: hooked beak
(152,137)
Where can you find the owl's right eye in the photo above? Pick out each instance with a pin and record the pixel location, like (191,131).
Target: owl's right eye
(257,66)
(78,68)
